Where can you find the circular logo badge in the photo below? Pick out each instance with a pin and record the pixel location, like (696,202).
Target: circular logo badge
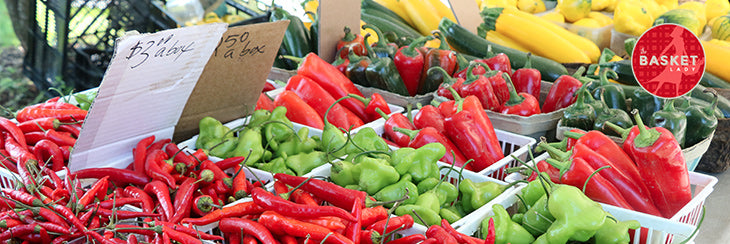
(668,61)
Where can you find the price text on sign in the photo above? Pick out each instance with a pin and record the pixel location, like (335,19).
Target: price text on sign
(149,50)
(238,46)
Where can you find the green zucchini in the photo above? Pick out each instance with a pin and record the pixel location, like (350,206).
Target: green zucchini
(370,5)
(463,41)
(626,75)
(710,80)
(385,26)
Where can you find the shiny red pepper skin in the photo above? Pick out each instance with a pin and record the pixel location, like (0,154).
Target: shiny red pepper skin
(604,145)
(440,234)
(575,173)
(397,121)
(183,200)
(330,192)
(39,124)
(429,116)
(269,201)
(317,97)
(333,82)
(147,203)
(237,210)
(405,221)
(499,62)
(522,104)
(411,239)
(446,59)
(11,128)
(264,102)
(376,101)
(282,225)
(47,151)
(56,137)
(457,83)
(527,79)
(246,226)
(154,159)
(663,168)
(355,41)
(476,126)
(430,135)
(140,153)
(159,189)
(120,177)
(298,111)
(481,87)
(561,94)
(409,62)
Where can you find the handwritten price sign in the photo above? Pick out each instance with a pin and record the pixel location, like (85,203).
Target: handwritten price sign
(238,45)
(165,47)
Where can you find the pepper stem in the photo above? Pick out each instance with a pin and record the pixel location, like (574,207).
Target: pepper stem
(528,61)
(292,58)
(711,110)
(382,114)
(471,77)
(604,76)
(410,50)
(579,72)
(646,137)
(410,133)
(409,115)
(381,38)
(618,129)
(442,40)
(563,166)
(572,134)
(371,53)
(348,35)
(514,97)
(591,176)
(553,151)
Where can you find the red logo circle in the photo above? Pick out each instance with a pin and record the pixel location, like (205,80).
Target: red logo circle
(668,60)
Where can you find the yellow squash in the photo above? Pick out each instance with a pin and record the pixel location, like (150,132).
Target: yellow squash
(715,8)
(598,5)
(500,39)
(531,6)
(396,7)
(716,59)
(423,14)
(442,10)
(574,10)
(554,17)
(632,17)
(603,20)
(699,9)
(581,43)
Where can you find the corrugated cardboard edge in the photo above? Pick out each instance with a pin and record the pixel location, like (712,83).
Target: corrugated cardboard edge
(228,90)
(467,14)
(334,16)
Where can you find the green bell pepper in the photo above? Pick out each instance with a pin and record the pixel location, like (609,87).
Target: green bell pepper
(397,191)
(375,174)
(577,217)
(383,74)
(507,231)
(671,119)
(303,163)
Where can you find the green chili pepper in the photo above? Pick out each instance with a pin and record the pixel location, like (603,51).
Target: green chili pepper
(381,48)
(401,163)
(222,147)
(606,114)
(428,215)
(645,102)
(250,140)
(580,114)
(429,200)
(615,232)
(210,129)
(276,165)
(538,218)
(258,117)
(342,174)
(671,119)
(278,129)
(427,184)
(397,191)
(303,163)
(366,139)
(507,230)
(424,161)
(333,140)
(474,195)
(577,217)
(295,146)
(450,215)
(375,173)
(533,192)
(701,120)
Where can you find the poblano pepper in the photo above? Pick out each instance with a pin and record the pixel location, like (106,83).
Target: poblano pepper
(507,230)
(613,94)
(701,120)
(577,217)
(645,102)
(383,74)
(671,119)
(303,163)
(397,191)
(580,114)
(381,48)
(375,174)
(606,114)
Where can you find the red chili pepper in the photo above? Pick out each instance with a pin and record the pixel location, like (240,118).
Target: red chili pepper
(332,223)
(500,62)
(428,135)
(117,202)
(178,155)
(158,145)
(13,130)
(527,79)
(47,151)
(64,115)
(460,237)
(375,102)
(122,214)
(330,192)
(522,104)
(429,116)
(298,111)
(202,205)
(183,200)
(491,237)
(39,124)
(411,239)
(264,102)
(72,129)
(302,197)
(333,82)
(268,87)
(200,155)
(188,230)
(20,230)
(153,170)
(159,189)
(373,214)
(410,61)
(99,188)
(68,215)
(240,225)
(440,234)
(462,129)
(147,203)
(180,237)
(282,225)
(317,97)
(22,157)
(22,197)
(353,229)
(119,177)
(397,120)
(576,172)
(269,201)
(55,105)
(562,93)
(6,161)
(140,153)
(659,158)
(238,210)
(402,222)
(228,163)
(240,186)
(56,137)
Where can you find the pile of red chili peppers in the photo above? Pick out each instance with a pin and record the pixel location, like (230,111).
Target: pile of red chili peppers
(44,133)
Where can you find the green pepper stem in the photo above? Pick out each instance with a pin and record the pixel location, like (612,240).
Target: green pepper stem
(410,50)
(646,137)
(409,115)
(573,135)
(442,40)
(381,38)
(618,129)
(382,114)
(371,52)
(348,35)
(579,72)
(591,176)
(292,58)
(418,216)
(410,133)
(514,97)
(711,110)
(448,80)
(470,76)
(561,165)
(553,151)
(528,61)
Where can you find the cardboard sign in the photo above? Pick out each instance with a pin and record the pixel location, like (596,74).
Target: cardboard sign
(334,16)
(145,86)
(467,14)
(234,76)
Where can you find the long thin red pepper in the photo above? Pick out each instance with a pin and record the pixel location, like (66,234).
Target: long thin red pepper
(460,237)
(282,225)
(11,128)
(6,161)
(74,129)
(153,169)
(64,115)
(120,177)
(188,230)
(354,228)
(298,111)
(238,210)
(402,222)
(491,237)
(317,97)
(101,185)
(20,230)
(159,189)
(39,124)
(183,200)
(660,160)
(47,151)
(269,201)
(240,185)
(330,192)
(180,237)
(428,135)
(68,215)
(22,157)
(140,153)
(118,202)
(577,171)
(246,226)
(53,135)
(373,214)
(332,81)
(147,203)
(229,162)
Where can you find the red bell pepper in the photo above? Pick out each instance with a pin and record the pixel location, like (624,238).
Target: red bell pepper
(447,108)
(354,41)
(660,160)
(527,79)
(500,62)
(393,121)
(562,93)
(317,97)
(456,83)
(522,104)
(428,135)
(480,87)
(461,128)
(483,125)
(429,116)
(576,172)
(340,62)
(264,102)
(332,81)
(409,62)
(375,102)
(298,111)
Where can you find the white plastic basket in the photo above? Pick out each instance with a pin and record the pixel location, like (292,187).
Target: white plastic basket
(512,145)
(658,229)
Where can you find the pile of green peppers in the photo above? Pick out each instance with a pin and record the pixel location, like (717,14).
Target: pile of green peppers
(390,176)
(564,215)
(268,141)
